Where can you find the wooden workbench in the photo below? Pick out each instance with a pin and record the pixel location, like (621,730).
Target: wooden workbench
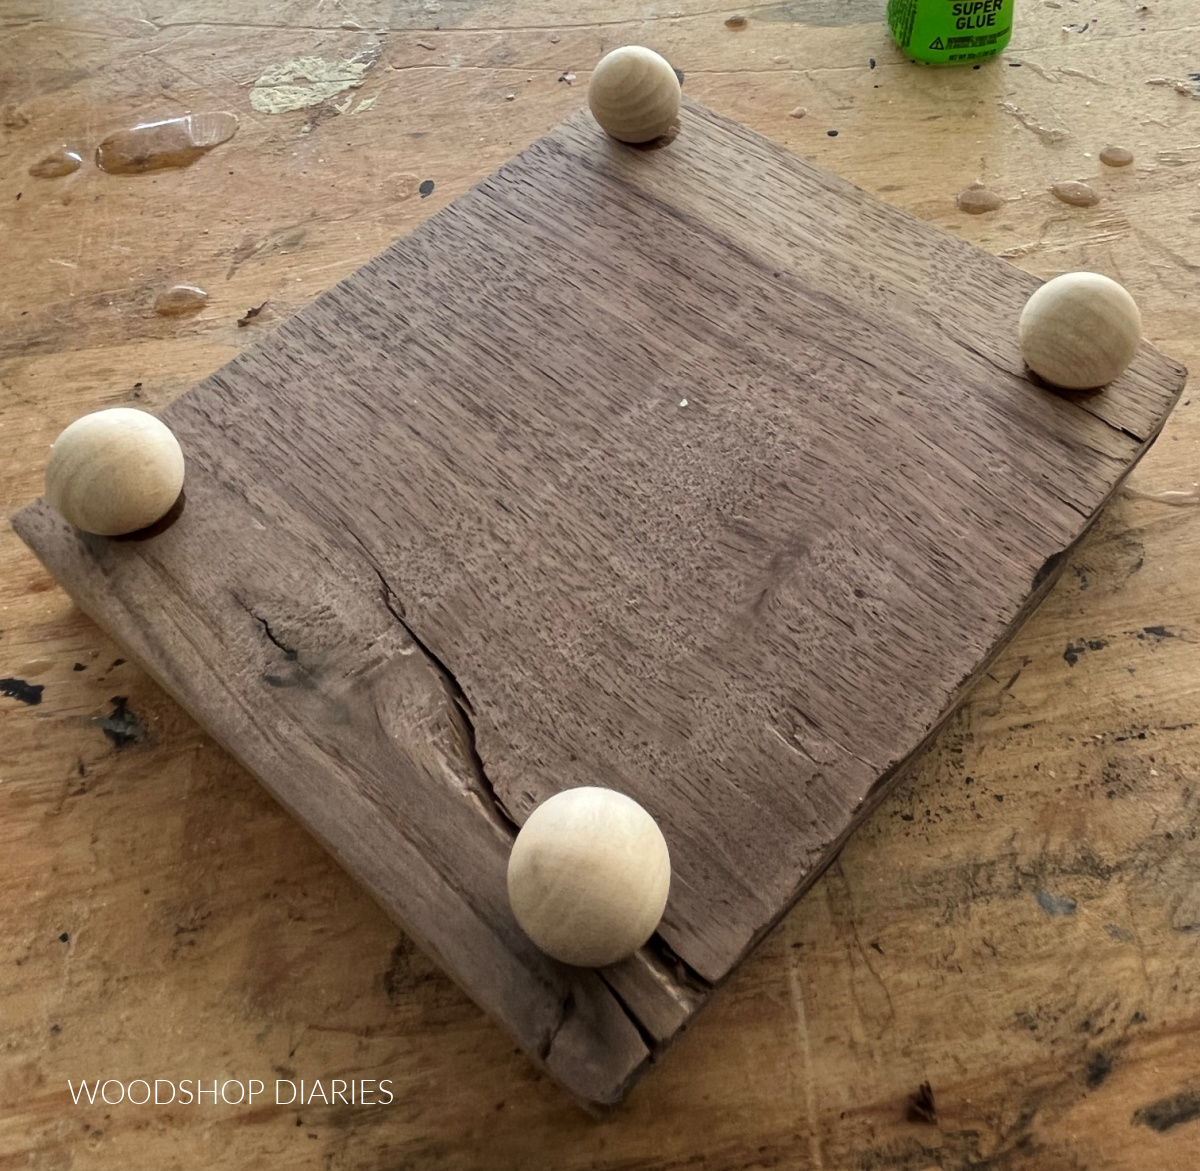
(1018,926)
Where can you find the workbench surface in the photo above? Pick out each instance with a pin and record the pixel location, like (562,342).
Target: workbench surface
(1017,927)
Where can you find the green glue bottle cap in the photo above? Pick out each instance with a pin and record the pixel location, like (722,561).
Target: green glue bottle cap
(951,32)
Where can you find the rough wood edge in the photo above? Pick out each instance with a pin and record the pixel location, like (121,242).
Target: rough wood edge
(1043,583)
(36,525)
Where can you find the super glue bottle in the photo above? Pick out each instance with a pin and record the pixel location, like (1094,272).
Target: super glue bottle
(951,32)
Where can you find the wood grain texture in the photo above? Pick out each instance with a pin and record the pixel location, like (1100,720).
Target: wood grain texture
(453,541)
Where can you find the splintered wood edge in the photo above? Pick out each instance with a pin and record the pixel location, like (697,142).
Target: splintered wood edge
(655,991)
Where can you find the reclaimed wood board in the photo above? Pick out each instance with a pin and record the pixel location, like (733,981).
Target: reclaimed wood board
(695,472)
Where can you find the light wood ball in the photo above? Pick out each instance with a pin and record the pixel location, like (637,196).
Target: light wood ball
(1080,330)
(588,876)
(114,471)
(634,94)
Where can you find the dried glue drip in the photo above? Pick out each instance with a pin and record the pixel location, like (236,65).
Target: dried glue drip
(1176,498)
(180,299)
(176,142)
(55,166)
(1075,193)
(1116,156)
(1052,134)
(975,199)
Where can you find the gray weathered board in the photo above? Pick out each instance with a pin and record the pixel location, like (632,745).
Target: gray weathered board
(695,472)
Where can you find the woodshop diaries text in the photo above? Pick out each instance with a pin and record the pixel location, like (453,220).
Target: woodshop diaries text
(164,1092)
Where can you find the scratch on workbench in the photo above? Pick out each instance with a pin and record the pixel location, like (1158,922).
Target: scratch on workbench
(763,12)
(1055,76)
(796,993)
(454,66)
(1051,134)
(1177,498)
(1109,235)
(1067,72)
(1189,88)
(251,116)
(1040,70)
(837,873)
(1136,936)
(1180,156)
(638,21)
(1175,257)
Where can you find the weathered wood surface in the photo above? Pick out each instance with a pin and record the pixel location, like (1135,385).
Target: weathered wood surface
(695,472)
(207,931)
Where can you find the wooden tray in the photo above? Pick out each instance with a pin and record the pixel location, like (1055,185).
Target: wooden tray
(694,472)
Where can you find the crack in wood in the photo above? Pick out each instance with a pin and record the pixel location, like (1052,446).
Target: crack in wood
(566,1010)
(289,652)
(653,1045)
(657,949)
(457,696)
(685,976)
